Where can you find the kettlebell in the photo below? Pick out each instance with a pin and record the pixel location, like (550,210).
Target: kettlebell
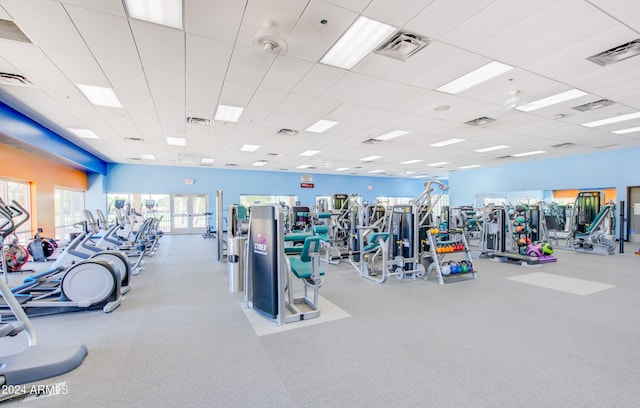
(464,266)
(445,269)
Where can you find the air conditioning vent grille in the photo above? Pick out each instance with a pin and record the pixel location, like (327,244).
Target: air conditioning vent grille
(484,120)
(372,141)
(594,105)
(288,132)
(192,120)
(617,54)
(14,79)
(402,46)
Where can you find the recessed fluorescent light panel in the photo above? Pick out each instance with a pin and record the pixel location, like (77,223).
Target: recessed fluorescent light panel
(259,163)
(528,153)
(492,148)
(304,166)
(100,96)
(176,141)
(249,148)
(206,160)
(614,119)
(321,126)
(473,78)
(84,133)
(391,135)
(376,171)
(165,12)
(226,113)
(411,161)
(147,157)
(447,142)
(357,42)
(625,131)
(437,164)
(551,100)
(342,168)
(309,152)
(371,158)
(471,166)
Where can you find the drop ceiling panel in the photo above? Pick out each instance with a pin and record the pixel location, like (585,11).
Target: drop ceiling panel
(553,29)
(350,84)
(117,46)
(386,95)
(249,66)
(320,108)
(495,19)
(114,7)
(207,57)
(286,73)
(236,94)
(219,19)
(429,58)
(443,16)
(142,111)
(354,5)
(79,69)
(623,10)
(311,39)
(397,13)
(319,79)
(202,96)
(129,76)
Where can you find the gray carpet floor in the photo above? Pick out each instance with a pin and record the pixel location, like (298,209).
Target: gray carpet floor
(180,339)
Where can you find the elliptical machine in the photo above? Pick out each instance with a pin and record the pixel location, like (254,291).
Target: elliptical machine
(85,285)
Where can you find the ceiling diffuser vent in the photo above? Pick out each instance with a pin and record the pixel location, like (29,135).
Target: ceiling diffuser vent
(606,146)
(402,46)
(134,139)
(230,164)
(192,120)
(14,79)
(484,120)
(594,105)
(372,141)
(135,158)
(10,31)
(288,132)
(617,54)
(563,145)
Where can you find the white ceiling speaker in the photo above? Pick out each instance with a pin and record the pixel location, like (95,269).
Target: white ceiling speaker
(268,39)
(514,100)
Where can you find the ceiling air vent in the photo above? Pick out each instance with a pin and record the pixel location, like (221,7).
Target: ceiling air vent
(594,105)
(14,79)
(134,139)
(135,158)
(192,120)
(563,145)
(230,164)
(288,132)
(10,31)
(274,154)
(484,120)
(402,46)
(617,54)
(606,146)
(372,141)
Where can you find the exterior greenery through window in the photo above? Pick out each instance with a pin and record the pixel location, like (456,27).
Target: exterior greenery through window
(69,212)
(20,192)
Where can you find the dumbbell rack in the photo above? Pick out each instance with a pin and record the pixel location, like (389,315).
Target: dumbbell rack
(439,258)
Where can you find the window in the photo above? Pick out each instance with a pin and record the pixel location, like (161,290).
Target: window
(138,203)
(19,191)
(69,212)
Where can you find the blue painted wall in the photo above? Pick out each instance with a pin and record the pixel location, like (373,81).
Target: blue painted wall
(614,168)
(127,178)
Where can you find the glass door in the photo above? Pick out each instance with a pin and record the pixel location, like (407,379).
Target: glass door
(187,215)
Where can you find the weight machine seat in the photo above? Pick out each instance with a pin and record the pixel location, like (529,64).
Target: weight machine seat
(324,215)
(302,265)
(297,237)
(322,231)
(373,241)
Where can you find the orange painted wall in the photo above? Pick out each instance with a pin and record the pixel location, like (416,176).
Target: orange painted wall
(609,193)
(44,176)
